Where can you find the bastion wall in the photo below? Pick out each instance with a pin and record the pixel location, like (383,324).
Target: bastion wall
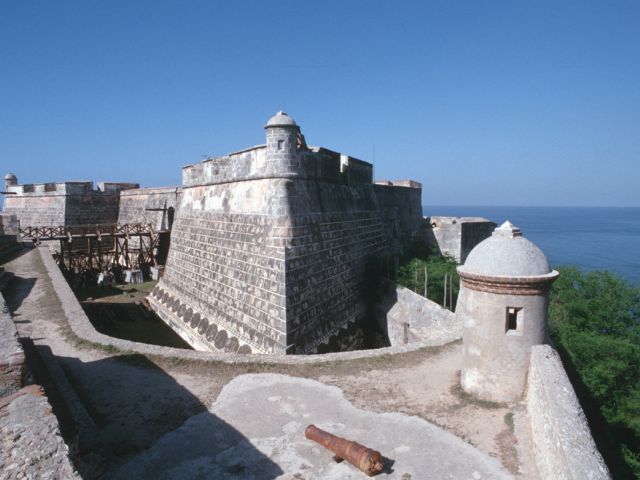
(270,246)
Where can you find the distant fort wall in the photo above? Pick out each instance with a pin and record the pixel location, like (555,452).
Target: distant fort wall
(65,203)
(153,206)
(456,236)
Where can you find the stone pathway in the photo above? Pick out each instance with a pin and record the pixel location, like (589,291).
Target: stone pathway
(255,429)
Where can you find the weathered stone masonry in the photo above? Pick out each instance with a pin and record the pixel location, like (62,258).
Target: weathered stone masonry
(270,244)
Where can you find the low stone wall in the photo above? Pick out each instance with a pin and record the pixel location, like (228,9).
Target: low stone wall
(31,445)
(12,362)
(82,327)
(426,321)
(562,442)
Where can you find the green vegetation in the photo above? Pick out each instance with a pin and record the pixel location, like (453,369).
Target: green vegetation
(594,322)
(411,275)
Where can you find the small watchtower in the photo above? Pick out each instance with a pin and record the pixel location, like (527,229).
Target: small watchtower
(10,180)
(282,144)
(502,305)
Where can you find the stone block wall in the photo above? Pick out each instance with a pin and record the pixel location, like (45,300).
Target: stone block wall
(276,265)
(36,210)
(13,368)
(457,236)
(223,287)
(252,164)
(65,204)
(562,443)
(325,270)
(407,317)
(148,206)
(401,202)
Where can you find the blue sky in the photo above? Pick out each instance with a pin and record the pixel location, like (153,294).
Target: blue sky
(486,103)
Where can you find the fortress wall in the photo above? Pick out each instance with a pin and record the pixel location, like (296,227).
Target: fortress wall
(425,320)
(456,236)
(251,164)
(334,230)
(91,208)
(36,210)
(135,205)
(243,165)
(65,203)
(562,442)
(226,267)
(273,263)
(406,202)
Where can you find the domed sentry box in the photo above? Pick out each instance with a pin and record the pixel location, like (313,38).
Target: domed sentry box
(503,304)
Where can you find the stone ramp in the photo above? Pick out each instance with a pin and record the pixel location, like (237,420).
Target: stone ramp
(267,415)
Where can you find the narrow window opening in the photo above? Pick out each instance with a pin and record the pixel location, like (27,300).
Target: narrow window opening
(280,144)
(514,319)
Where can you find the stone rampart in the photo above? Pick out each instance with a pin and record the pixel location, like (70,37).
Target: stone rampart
(402,204)
(562,442)
(65,203)
(277,265)
(408,317)
(316,163)
(149,206)
(456,236)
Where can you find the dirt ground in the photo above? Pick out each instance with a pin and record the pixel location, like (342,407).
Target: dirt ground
(134,399)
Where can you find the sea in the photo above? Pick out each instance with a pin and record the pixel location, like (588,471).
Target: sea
(591,238)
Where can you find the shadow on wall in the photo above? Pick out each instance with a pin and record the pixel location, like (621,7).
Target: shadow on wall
(21,249)
(431,239)
(137,409)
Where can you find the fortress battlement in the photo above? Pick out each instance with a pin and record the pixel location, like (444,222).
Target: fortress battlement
(69,188)
(312,163)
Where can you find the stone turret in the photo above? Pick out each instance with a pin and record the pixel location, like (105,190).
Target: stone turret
(502,305)
(10,180)
(282,145)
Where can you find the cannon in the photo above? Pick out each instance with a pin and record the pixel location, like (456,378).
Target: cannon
(367,460)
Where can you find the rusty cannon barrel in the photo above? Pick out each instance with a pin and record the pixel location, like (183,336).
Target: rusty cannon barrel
(367,460)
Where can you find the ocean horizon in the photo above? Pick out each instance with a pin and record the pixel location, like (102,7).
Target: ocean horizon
(591,238)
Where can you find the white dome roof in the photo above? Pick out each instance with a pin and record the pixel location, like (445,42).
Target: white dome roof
(10,176)
(506,253)
(281,119)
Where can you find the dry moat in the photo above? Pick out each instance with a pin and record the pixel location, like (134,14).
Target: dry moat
(120,311)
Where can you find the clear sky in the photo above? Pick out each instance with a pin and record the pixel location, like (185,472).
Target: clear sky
(487,103)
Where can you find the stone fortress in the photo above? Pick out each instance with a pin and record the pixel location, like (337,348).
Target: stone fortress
(270,252)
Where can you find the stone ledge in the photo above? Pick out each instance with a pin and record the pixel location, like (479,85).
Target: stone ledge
(562,442)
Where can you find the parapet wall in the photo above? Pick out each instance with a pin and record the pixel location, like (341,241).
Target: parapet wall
(562,442)
(251,164)
(408,317)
